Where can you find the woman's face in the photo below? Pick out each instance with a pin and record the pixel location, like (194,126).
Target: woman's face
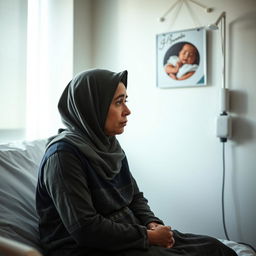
(117,113)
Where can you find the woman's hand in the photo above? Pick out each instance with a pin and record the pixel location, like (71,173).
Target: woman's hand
(153,225)
(162,236)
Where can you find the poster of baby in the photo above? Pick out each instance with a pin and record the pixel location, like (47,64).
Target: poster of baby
(181,58)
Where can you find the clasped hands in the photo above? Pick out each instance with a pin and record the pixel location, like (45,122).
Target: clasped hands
(160,235)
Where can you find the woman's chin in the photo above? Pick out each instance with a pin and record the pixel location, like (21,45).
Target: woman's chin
(120,131)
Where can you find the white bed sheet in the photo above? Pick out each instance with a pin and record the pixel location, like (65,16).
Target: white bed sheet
(18,177)
(240,249)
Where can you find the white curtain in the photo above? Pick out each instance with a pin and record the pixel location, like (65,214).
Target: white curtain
(13,30)
(49,63)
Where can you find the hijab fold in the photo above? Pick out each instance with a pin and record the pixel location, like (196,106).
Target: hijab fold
(83,107)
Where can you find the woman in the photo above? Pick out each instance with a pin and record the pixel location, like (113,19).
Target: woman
(87,200)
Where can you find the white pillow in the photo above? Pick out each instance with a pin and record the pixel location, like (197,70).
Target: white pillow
(19,163)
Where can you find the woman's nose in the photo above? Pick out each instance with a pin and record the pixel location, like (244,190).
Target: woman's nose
(127,111)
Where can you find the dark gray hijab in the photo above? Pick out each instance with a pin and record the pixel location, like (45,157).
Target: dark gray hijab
(83,107)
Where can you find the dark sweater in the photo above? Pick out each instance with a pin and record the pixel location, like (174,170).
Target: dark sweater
(81,213)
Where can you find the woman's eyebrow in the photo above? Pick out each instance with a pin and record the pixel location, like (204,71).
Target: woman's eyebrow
(121,96)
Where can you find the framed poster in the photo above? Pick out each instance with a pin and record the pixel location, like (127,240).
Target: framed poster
(181,58)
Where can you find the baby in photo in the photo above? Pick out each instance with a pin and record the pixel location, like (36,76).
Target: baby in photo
(184,65)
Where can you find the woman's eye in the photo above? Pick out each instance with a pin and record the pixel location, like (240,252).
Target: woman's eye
(120,102)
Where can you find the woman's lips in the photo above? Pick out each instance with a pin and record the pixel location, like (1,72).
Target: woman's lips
(123,123)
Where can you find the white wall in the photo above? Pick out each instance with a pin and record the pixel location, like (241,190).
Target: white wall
(82,35)
(170,139)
